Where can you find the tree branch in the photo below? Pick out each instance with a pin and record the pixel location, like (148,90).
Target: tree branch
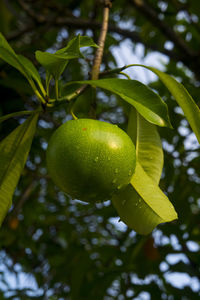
(101,41)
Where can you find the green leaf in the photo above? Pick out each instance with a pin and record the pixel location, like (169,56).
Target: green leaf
(53,63)
(152,195)
(146,102)
(183,98)
(132,209)
(57,62)
(14,151)
(21,63)
(15,114)
(142,205)
(32,71)
(73,47)
(5,45)
(10,57)
(149,149)
(132,125)
(86,41)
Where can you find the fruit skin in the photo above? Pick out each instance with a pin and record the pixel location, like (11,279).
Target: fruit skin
(90,160)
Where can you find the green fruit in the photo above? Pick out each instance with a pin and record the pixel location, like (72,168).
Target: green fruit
(90,160)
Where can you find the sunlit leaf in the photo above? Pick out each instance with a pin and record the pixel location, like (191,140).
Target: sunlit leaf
(134,211)
(57,62)
(131,207)
(146,102)
(149,149)
(152,195)
(183,98)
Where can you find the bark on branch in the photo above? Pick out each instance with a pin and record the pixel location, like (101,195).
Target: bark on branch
(101,41)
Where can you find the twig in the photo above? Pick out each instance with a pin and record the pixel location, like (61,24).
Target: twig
(111,71)
(75,94)
(101,41)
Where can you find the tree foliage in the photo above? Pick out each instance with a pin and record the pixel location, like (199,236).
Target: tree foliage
(76,251)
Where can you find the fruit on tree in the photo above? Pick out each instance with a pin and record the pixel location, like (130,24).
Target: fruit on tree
(90,160)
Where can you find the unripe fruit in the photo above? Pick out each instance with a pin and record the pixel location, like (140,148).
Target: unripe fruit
(90,160)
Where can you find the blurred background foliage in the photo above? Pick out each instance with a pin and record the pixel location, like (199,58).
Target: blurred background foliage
(54,248)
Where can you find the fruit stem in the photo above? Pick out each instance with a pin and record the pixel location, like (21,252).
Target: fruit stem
(73,115)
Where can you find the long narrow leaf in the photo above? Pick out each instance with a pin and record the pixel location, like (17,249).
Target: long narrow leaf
(146,102)
(11,59)
(16,114)
(142,205)
(134,211)
(183,98)
(152,195)
(14,151)
(131,207)
(21,63)
(4,44)
(31,70)
(149,149)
